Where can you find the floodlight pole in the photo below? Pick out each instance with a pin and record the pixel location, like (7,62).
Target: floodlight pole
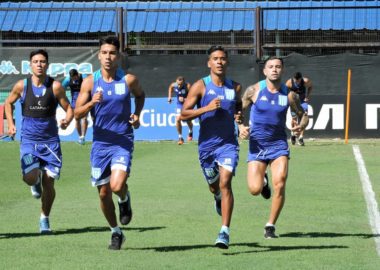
(121,30)
(258,33)
(348,105)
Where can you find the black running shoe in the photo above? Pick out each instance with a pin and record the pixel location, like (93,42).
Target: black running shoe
(266,192)
(125,210)
(301,142)
(269,232)
(293,139)
(117,241)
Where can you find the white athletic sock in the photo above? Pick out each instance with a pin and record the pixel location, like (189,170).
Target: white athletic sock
(269,224)
(125,199)
(225,229)
(43,216)
(179,136)
(116,230)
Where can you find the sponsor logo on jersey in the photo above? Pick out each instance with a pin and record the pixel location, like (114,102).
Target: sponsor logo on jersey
(211,92)
(264,98)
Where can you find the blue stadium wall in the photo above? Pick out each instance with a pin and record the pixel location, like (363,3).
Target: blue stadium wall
(328,73)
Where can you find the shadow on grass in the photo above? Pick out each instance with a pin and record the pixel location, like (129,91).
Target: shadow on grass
(258,248)
(77,231)
(327,234)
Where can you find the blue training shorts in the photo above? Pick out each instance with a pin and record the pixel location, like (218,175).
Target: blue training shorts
(305,107)
(268,151)
(74,97)
(106,157)
(45,156)
(226,156)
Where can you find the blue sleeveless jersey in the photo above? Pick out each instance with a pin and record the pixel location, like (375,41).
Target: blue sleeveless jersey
(268,115)
(111,116)
(217,127)
(300,89)
(38,129)
(181,92)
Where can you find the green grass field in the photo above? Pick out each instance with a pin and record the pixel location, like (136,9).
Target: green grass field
(324,224)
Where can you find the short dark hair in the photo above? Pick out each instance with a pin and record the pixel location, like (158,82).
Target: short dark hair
(297,75)
(39,51)
(73,72)
(215,48)
(112,40)
(274,58)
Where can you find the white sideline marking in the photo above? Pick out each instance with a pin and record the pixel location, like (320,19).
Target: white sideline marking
(369,195)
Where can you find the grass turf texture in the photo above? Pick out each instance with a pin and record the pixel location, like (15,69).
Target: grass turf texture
(324,223)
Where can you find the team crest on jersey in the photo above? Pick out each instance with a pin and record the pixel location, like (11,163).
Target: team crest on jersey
(282,100)
(120,88)
(230,94)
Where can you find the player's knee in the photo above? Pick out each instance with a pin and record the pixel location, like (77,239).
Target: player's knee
(254,189)
(279,186)
(104,195)
(225,185)
(31,178)
(116,187)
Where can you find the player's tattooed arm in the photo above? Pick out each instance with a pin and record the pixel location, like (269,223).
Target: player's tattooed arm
(295,104)
(249,96)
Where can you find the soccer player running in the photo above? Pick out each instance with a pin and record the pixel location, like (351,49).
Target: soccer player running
(108,94)
(268,144)
(181,88)
(74,82)
(302,86)
(40,150)
(219,102)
